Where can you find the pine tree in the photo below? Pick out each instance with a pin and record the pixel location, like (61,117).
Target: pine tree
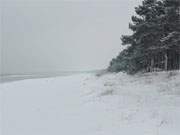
(155,42)
(171,33)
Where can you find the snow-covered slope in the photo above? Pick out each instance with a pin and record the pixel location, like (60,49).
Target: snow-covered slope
(86,104)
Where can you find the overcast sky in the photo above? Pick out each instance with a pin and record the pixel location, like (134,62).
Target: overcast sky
(51,35)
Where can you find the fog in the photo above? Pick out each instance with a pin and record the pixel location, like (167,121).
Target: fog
(51,36)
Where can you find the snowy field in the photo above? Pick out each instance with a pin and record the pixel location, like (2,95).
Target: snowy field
(86,104)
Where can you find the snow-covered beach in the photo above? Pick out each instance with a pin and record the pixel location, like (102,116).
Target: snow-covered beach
(86,104)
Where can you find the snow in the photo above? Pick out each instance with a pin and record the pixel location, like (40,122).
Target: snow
(86,104)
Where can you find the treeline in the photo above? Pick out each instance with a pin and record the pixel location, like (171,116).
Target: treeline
(155,41)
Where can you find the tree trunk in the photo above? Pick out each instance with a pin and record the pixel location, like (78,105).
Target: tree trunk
(178,61)
(166,61)
(152,64)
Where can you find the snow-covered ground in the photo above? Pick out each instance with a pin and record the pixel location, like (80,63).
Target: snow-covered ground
(86,104)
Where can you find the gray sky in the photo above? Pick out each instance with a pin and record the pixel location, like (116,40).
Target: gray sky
(51,35)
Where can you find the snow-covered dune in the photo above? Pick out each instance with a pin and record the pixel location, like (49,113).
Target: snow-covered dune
(86,104)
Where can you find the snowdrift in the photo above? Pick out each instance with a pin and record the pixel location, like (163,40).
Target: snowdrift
(86,104)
